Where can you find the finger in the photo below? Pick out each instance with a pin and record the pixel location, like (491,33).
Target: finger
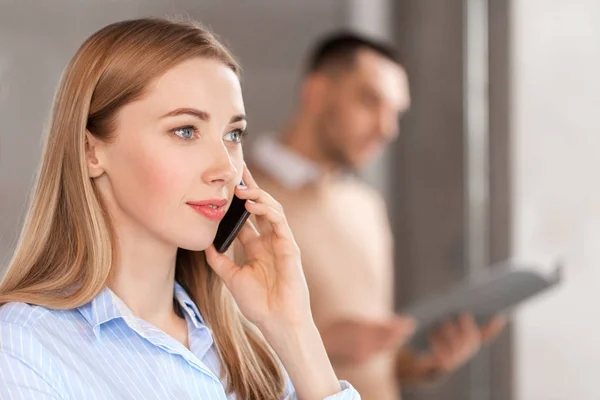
(257,195)
(247,233)
(263,225)
(223,266)
(249,239)
(247,178)
(440,351)
(448,334)
(492,329)
(277,220)
(246,193)
(441,342)
(468,341)
(451,346)
(467,324)
(257,212)
(469,331)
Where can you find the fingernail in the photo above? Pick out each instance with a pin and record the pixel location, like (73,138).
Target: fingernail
(242,187)
(251,201)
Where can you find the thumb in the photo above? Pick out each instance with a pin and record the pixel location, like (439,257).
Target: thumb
(492,329)
(223,266)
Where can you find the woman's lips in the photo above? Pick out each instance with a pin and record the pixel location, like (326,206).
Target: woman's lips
(213,209)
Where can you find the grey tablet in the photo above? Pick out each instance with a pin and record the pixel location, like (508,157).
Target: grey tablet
(495,290)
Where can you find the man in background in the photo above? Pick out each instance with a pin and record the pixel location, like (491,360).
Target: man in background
(351,99)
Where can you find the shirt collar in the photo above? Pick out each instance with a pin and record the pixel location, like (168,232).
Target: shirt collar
(107,306)
(291,169)
(188,306)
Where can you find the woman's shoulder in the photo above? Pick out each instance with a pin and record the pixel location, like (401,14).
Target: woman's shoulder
(26,326)
(22,315)
(26,349)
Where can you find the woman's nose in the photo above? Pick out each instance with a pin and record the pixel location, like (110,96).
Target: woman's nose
(221,169)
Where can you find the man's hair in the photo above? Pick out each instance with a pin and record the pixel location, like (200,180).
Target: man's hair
(338,51)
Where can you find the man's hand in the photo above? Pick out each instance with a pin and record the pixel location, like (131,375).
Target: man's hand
(356,341)
(452,345)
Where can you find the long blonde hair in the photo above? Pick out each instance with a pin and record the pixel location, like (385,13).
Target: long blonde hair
(64,256)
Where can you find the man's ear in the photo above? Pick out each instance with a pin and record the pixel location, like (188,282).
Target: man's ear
(93,149)
(314,90)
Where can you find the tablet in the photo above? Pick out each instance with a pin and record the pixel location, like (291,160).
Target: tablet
(498,289)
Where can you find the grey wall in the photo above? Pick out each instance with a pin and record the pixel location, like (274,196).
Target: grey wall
(429,186)
(431,179)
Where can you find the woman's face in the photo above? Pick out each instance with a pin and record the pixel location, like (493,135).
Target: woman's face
(176,156)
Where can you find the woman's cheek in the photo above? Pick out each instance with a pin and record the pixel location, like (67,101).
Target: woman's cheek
(237,159)
(163,178)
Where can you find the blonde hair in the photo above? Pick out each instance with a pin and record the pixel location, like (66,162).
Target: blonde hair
(64,256)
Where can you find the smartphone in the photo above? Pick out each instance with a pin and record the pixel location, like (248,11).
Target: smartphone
(230,225)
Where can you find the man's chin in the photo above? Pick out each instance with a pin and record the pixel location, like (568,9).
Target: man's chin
(368,156)
(353,162)
(359,163)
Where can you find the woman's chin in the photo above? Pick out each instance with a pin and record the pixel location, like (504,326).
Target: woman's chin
(192,238)
(198,242)
(195,245)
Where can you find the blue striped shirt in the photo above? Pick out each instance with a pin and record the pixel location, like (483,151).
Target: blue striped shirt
(102,351)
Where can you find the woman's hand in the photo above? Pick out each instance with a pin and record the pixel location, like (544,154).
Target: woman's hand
(270,289)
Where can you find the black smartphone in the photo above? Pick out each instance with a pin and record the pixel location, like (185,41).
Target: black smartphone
(230,225)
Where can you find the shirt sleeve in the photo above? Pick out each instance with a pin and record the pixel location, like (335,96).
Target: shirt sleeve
(347,393)
(22,371)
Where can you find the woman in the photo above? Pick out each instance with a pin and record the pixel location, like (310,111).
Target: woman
(115,290)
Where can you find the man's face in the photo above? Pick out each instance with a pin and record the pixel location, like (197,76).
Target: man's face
(361,110)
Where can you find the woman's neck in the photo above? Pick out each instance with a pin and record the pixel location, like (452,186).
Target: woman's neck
(143,276)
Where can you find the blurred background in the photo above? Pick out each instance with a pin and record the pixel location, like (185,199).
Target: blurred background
(496,158)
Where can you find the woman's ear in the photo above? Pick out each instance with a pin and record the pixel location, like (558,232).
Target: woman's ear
(93,155)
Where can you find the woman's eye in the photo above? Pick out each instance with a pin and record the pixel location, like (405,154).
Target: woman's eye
(234,136)
(186,132)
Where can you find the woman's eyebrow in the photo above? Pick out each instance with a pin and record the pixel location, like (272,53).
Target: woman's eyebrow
(202,115)
(238,118)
